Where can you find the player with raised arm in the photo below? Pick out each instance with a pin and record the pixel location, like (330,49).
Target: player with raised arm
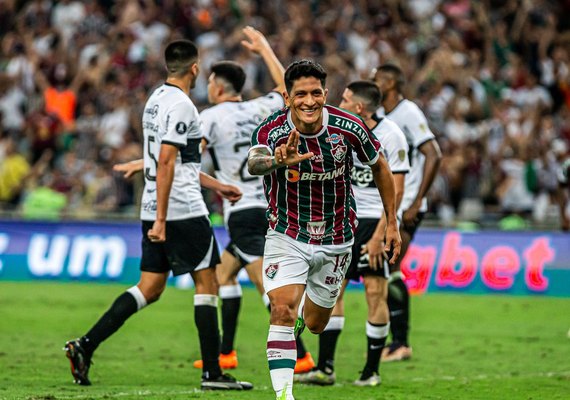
(363,98)
(177,236)
(425,157)
(305,153)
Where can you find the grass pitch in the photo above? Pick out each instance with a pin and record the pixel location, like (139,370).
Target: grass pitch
(465,347)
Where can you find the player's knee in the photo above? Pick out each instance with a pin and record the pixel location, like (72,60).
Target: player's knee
(315,326)
(153,294)
(283,314)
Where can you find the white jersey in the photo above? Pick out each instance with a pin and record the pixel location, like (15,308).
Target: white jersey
(227,129)
(412,121)
(171,117)
(395,149)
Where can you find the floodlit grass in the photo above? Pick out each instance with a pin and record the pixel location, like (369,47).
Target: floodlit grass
(465,347)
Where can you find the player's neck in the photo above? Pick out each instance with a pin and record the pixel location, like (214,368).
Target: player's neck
(369,121)
(391,100)
(181,83)
(232,98)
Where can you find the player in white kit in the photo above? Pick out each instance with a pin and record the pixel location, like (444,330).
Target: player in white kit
(363,98)
(425,157)
(176,232)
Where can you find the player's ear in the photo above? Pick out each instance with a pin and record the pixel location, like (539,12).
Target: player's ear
(286,98)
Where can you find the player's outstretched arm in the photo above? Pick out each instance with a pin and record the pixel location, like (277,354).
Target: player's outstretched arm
(230,192)
(258,44)
(129,168)
(261,162)
(385,184)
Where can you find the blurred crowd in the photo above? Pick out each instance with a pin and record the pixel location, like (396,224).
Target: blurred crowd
(492,76)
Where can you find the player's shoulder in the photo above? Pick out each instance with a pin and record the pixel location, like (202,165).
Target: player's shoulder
(276,118)
(408,107)
(344,119)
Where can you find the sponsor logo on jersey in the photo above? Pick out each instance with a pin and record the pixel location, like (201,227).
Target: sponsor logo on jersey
(153,112)
(295,176)
(338,153)
(334,139)
(316,228)
(317,158)
(271,270)
(181,128)
(401,154)
(353,127)
(362,177)
(278,132)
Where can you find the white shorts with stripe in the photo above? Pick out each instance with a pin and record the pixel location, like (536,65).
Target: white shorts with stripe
(321,268)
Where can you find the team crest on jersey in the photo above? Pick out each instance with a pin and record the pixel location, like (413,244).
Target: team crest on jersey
(401,154)
(181,128)
(338,153)
(334,139)
(271,270)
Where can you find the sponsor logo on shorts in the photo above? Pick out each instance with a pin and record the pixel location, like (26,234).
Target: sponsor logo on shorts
(333,280)
(334,293)
(271,270)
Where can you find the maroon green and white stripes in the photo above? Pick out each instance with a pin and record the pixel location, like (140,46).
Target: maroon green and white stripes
(312,202)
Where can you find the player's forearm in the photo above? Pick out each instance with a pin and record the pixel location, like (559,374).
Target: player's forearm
(431,166)
(276,69)
(385,184)
(164,178)
(261,164)
(399,181)
(209,182)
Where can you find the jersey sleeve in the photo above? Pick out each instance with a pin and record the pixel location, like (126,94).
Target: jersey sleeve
(418,127)
(364,143)
(182,124)
(209,127)
(260,137)
(396,148)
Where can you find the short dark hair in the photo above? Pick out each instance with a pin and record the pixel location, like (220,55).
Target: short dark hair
(396,73)
(367,91)
(304,69)
(231,72)
(179,56)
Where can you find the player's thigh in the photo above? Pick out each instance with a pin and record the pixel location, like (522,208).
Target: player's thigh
(326,274)
(285,262)
(227,269)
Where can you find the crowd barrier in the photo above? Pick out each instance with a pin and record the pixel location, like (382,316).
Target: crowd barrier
(535,263)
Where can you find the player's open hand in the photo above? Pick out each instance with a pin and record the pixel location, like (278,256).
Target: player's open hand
(128,169)
(230,192)
(158,232)
(288,154)
(393,242)
(256,40)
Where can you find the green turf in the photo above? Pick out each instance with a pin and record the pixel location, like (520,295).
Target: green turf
(465,347)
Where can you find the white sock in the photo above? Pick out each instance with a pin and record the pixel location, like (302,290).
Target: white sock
(230,292)
(281,356)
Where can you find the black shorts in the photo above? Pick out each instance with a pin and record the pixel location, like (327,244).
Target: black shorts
(247,230)
(411,229)
(190,246)
(360,266)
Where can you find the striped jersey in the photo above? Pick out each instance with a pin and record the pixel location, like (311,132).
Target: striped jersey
(170,117)
(227,129)
(412,121)
(313,202)
(395,149)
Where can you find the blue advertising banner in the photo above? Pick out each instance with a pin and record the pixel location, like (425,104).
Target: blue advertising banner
(437,261)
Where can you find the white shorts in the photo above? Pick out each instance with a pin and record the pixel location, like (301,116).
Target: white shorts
(287,261)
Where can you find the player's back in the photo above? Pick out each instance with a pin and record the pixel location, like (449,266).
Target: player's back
(170,117)
(395,150)
(227,129)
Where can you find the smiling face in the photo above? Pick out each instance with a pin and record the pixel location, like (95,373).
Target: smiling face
(306,100)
